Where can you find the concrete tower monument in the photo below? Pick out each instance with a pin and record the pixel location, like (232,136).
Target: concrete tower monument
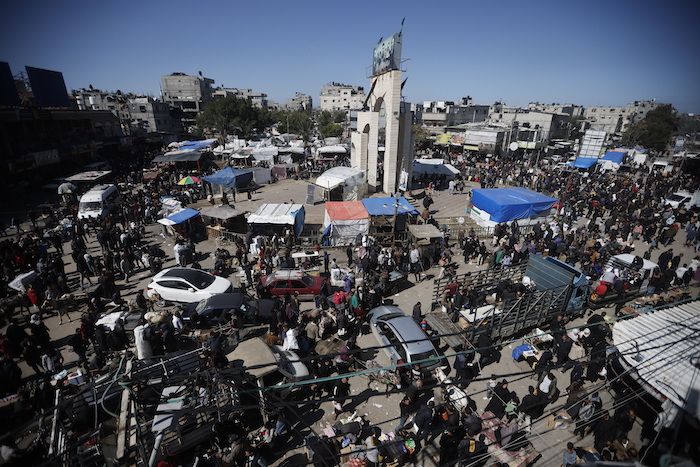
(385,92)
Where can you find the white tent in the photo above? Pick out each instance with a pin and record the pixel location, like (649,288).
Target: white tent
(345,222)
(434,166)
(332,150)
(352,181)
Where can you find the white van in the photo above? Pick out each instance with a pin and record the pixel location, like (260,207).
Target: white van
(98,202)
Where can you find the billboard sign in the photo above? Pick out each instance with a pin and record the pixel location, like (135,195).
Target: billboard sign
(8,91)
(387,55)
(48,87)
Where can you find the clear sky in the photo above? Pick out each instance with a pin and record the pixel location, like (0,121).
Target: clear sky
(583,52)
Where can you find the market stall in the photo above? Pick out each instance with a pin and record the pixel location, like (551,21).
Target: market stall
(493,206)
(187,223)
(342,184)
(225,218)
(382,212)
(284,171)
(276,218)
(345,222)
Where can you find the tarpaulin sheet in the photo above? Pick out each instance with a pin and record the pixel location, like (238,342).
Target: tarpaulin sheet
(583,163)
(230,177)
(179,156)
(197,144)
(507,204)
(179,217)
(385,206)
(348,219)
(614,156)
(284,214)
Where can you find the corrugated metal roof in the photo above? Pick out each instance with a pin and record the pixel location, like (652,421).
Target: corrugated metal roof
(664,347)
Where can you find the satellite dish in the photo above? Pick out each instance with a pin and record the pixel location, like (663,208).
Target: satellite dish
(513,146)
(461,220)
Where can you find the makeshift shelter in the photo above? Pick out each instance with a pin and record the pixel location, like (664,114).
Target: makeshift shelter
(583,163)
(342,184)
(385,206)
(226,217)
(382,212)
(434,167)
(345,222)
(495,205)
(261,175)
(276,218)
(284,171)
(181,155)
(332,150)
(185,222)
(614,156)
(230,178)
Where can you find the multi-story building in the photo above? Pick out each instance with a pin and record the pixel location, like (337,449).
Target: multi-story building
(191,94)
(611,120)
(300,102)
(531,127)
(616,120)
(569,109)
(137,114)
(437,116)
(336,96)
(258,99)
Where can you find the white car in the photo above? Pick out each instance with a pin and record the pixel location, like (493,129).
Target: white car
(186,285)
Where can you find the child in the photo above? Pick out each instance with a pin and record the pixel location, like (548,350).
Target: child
(490,386)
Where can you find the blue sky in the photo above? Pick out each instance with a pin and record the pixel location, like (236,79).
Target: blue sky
(584,52)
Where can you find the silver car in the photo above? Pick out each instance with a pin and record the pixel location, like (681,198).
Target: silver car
(403,339)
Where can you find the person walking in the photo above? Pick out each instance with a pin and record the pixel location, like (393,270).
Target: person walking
(341,391)
(417,313)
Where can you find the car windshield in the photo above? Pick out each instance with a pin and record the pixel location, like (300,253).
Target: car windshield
(201,306)
(424,356)
(308,281)
(198,279)
(676,198)
(90,206)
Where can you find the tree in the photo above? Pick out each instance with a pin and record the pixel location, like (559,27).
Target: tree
(330,124)
(232,115)
(422,136)
(655,131)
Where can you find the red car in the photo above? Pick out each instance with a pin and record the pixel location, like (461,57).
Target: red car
(293,281)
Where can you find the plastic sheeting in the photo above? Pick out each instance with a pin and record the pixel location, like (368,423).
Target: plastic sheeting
(420,166)
(179,217)
(583,163)
(280,214)
(385,206)
(185,155)
(261,175)
(352,180)
(345,222)
(614,156)
(507,204)
(230,177)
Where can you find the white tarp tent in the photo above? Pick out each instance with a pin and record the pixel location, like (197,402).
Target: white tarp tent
(280,214)
(345,222)
(434,166)
(351,180)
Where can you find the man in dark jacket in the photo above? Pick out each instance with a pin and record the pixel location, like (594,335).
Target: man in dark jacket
(531,406)
(604,432)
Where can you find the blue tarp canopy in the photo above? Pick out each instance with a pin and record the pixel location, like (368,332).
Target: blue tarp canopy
(583,163)
(385,206)
(507,204)
(230,177)
(197,144)
(614,156)
(179,217)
